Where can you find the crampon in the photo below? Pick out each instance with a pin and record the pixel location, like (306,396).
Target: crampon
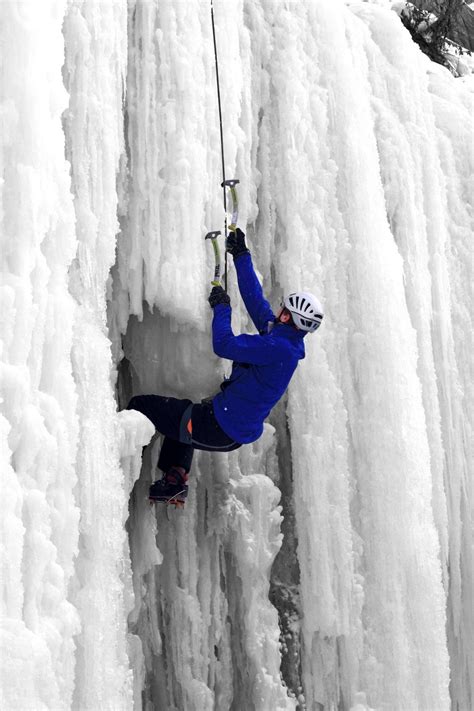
(172,489)
(178,500)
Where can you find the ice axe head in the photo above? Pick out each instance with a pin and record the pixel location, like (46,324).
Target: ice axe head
(230,183)
(212,235)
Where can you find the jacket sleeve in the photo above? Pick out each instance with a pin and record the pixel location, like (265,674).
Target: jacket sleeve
(250,288)
(256,350)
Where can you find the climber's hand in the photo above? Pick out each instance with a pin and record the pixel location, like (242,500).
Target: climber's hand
(218,296)
(235,243)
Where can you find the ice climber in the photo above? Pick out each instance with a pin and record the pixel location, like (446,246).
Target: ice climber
(262,368)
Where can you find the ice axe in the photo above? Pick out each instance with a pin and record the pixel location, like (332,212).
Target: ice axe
(231,184)
(215,245)
(235,202)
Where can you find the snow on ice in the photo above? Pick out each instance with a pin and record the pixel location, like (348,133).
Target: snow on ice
(351,513)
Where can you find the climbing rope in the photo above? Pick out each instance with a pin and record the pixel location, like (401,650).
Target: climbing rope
(225,183)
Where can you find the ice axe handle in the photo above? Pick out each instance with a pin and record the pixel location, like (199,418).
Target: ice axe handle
(217,270)
(231,184)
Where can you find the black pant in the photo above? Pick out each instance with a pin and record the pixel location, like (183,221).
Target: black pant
(186,426)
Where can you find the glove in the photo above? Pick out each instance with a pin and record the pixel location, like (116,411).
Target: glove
(218,296)
(235,243)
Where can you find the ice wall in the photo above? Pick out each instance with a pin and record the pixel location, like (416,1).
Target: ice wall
(95,40)
(68,460)
(355,183)
(353,155)
(39,518)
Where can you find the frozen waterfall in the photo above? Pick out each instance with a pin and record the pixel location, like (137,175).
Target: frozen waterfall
(328,565)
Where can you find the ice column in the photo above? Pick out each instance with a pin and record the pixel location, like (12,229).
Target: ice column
(39,516)
(96,53)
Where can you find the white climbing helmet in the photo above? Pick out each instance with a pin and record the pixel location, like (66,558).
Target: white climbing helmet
(305,309)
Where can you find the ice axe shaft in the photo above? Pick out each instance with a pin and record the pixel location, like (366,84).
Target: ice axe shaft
(231,184)
(215,245)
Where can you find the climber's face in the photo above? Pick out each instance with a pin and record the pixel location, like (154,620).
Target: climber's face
(283,315)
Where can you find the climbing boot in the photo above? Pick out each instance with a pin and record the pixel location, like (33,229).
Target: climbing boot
(172,488)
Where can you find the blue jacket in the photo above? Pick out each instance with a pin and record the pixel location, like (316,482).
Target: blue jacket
(263,364)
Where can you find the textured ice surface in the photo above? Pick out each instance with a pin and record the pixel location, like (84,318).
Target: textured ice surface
(354,154)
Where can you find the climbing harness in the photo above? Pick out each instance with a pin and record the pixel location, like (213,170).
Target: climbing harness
(230,184)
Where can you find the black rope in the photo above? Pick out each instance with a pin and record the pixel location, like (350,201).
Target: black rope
(222,140)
